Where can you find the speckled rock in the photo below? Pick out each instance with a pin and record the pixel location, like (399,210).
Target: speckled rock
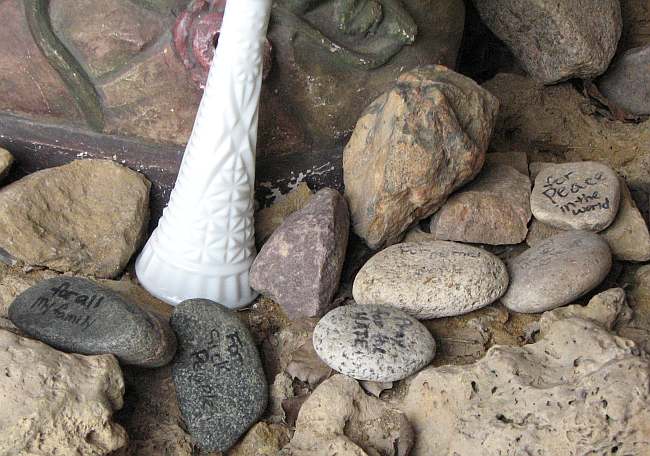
(394,174)
(580,196)
(492,209)
(371,342)
(557,271)
(627,82)
(431,279)
(79,316)
(57,404)
(6,160)
(339,418)
(85,217)
(217,372)
(556,40)
(300,265)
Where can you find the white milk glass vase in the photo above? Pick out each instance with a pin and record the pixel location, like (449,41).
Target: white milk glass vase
(204,244)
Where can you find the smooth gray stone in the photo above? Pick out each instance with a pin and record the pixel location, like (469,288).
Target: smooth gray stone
(627,82)
(76,315)
(372,342)
(218,374)
(557,271)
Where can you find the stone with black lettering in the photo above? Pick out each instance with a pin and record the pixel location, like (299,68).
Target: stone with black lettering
(431,279)
(373,342)
(557,271)
(218,374)
(579,196)
(76,315)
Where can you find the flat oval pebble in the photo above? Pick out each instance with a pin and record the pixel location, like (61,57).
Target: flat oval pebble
(557,271)
(431,279)
(579,196)
(76,315)
(218,374)
(373,342)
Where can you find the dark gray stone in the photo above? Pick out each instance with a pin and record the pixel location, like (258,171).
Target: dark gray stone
(300,265)
(218,374)
(627,82)
(76,315)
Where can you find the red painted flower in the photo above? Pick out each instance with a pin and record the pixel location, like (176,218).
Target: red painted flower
(196,33)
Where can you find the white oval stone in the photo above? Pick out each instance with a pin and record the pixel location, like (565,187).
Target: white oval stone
(375,343)
(557,271)
(579,196)
(431,279)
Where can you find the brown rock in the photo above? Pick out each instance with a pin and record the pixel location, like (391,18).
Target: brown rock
(492,209)
(636,24)
(300,265)
(269,219)
(262,440)
(55,403)
(85,217)
(6,160)
(413,147)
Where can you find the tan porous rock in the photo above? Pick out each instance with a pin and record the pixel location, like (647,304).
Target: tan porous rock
(57,404)
(412,147)
(6,160)
(87,217)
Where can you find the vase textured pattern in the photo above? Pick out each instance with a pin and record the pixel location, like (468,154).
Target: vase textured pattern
(204,244)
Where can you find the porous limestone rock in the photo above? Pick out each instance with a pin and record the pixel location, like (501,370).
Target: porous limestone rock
(57,404)
(413,147)
(6,160)
(578,391)
(87,217)
(556,40)
(340,418)
(262,440)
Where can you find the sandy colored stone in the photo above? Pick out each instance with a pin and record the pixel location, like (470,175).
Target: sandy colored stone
(57,404)
(578,391)
(638,328)
(269,219)
(539,231)
(492,209)
(14,281)
(339,418)
(262,440)
(395,174)
(87,217)
(6,160)
(556,40)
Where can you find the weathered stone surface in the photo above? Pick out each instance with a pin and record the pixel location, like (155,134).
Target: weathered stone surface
(638,328)
(517,159)
(557,271)
(6,160)
(431,279)
(371,342)
(262,440)
(78,316)
(539,231)
(492,209)
(300,265)
(627,82)
(394,173)
(589,31)
(218,375)
(13,282)
(57,404)
(339,418)
(269,219)
(581,196)
(580,390)
(85,217)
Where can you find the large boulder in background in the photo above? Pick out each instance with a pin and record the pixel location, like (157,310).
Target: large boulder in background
(413,147)
(627,82)
(557,40)
(87,217)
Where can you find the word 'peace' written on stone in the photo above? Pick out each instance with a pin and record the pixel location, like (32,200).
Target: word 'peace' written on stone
(378,341)
(559,189)
(77,308)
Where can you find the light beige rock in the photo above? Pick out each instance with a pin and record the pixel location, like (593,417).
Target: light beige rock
(55,403)
(86,217)
(262,440)
(267,220)
(6,160)
(339,418)
(578,391)
(413,147)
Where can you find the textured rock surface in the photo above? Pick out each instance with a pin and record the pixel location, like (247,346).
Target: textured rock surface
(492,209)
(627,82)
(394,173)
(262,440)
(217,373)
(339,418)
(78,316)
(300,265)
(6,160)
(581,196)
(85,217)
(556,40)
(376,343)
(557,271)
(517,159)
(57,404)
(580,390)
(269,219)
(636,24)
(431,279)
